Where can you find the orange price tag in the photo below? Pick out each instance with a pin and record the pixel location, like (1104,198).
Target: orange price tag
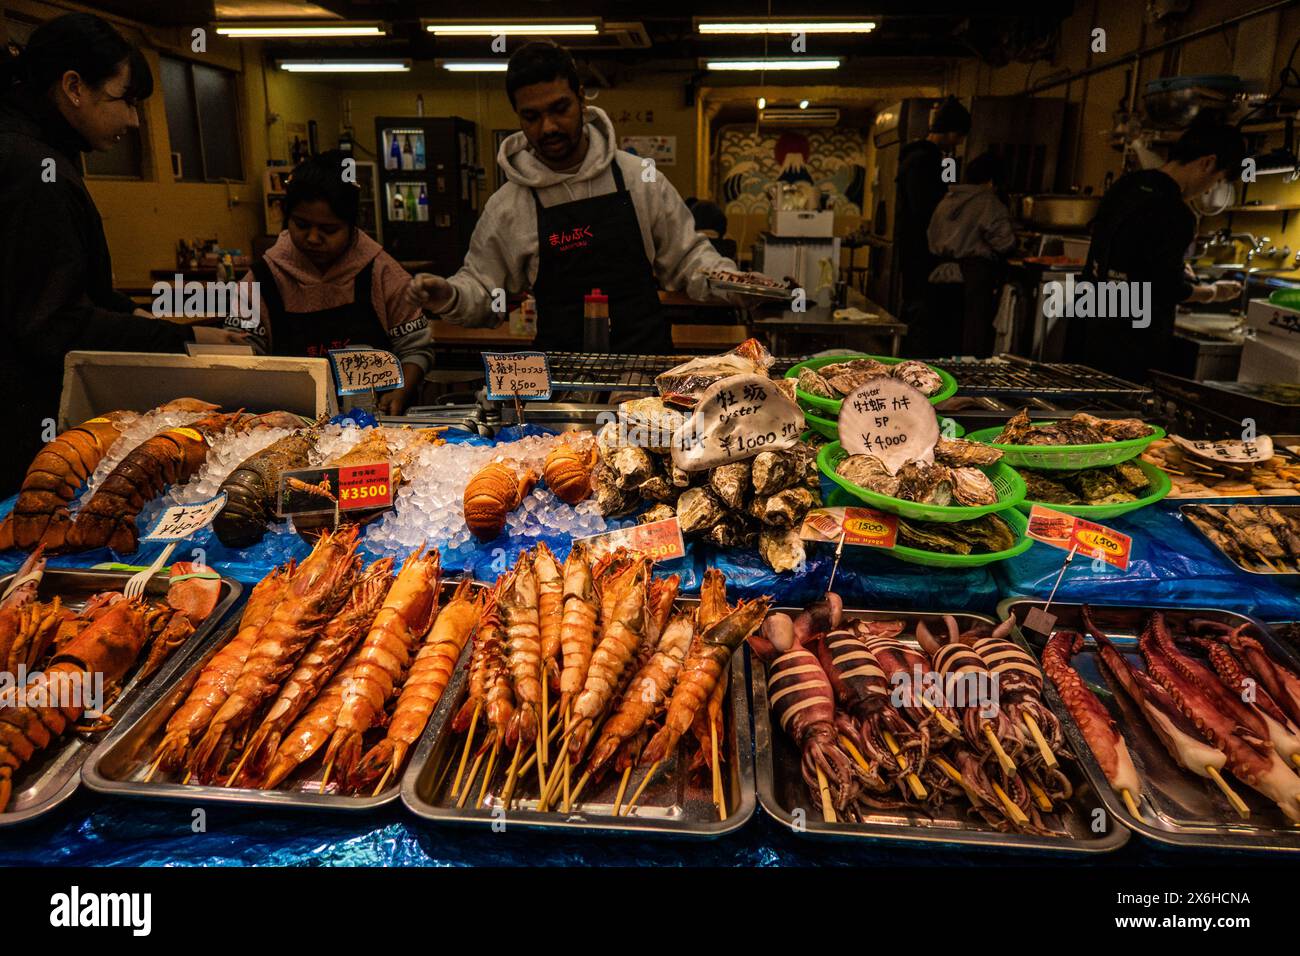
(658,540)
(862,527)
(365,486)
(1070,533)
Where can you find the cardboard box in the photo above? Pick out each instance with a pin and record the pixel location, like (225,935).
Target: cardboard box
(1273,320)
(98,382)
(798,222)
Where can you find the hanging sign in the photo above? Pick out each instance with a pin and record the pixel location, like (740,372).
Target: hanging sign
(359,370)
(889,420)
(1228,452)
(736,418)
(525,376)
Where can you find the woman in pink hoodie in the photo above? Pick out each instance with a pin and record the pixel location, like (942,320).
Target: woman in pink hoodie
(325,284)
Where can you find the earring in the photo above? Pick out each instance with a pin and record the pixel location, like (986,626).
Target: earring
(76,102)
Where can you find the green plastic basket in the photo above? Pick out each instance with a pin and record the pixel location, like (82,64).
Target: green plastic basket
(1009,485)
(1160,486)
(830,427)
(1068,457)
(832,405)
(933,559)
(1286,298)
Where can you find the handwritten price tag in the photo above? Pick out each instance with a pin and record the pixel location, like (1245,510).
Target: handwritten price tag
(658,540)
(1070,533)
(736,418)
(1230,452)
(890,420)
(861,527)
(181,521)
(361,370)
(522,375)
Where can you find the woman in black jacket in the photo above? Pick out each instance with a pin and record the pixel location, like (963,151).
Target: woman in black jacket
(74,88)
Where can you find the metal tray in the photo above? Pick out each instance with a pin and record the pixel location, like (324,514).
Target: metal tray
(1189,811)
(50,778)
(670,806)
(781,788)
(1247,503)
(119,764)
(753,291)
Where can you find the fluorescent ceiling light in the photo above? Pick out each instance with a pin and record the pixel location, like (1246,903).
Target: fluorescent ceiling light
(787,64)
(304,29)
(346,66)
(512,29)
(474,66)
(787,26)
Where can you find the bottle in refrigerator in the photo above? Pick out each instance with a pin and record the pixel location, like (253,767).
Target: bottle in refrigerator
(419,151)
(422,205)
(408,157)
(399,205)
(394,160)
(412,205)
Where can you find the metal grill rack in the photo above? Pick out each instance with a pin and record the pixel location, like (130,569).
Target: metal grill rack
(592,371)
(1011,376)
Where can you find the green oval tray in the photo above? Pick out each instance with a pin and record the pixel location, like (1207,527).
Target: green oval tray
(1010,487)
(1068,457)
(933,559)
(1161,485)
(832,405)
(830,427)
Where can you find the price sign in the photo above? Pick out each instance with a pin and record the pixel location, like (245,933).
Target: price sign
(889,420)
(365,486)
(1070,533)
(359,370)
(306,491)
(182,521)
(861,527)
(736,418)
(658,540)
(517,375)
(1228,452)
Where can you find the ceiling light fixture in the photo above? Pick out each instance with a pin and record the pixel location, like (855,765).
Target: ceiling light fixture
(474,66)
(291,30)
(786,64)
(516,28)
(345,66)
(803,104)
(718,27)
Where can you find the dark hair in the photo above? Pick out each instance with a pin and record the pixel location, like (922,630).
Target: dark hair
(986,168)
(321,177)
(540,62)
(709,215)
(82,42)
(1210,138)
(950,117)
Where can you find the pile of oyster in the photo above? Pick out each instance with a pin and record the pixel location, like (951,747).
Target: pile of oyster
(760,501)
(839,378)
(1113,484)
(986,534)
(953,478)
(1079,429)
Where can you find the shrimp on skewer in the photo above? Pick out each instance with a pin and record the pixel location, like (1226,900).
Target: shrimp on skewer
(518,602)
(428,678)
(385,655)
(313,729)
(550,611)
(577,625)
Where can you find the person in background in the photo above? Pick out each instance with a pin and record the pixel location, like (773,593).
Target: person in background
(75,88)
(920,187)
(325,284)
(575,214)
(1141,233)
(970,234)
(711,221)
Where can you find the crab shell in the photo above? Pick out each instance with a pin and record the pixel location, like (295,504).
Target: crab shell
(491,495)
(567,471)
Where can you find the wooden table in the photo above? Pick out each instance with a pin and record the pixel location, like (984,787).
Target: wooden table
(445,333)
(785,325)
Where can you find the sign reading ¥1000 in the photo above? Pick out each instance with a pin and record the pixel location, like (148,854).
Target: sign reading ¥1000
(736,418)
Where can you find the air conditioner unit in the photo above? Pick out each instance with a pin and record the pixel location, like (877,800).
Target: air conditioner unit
(793,116)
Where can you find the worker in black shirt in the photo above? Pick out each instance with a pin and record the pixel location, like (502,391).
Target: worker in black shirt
(920,188)
(1141,233)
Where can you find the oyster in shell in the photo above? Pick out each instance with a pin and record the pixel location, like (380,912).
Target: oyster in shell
(699,509)
(1015,430)
(611,500)
(631,466)
(649,423)
(960,453)
(1094,484)
(1079,429)
(972,487)
(680,477)
(730,482)
(657,513)
(868,471)
(775,471)
(657,488)
(851,375)
(1131,477)
(812,383)
(782,550)
(731,532)
(920,376)
(983,535)
(1115,429)
(927,484)
(1046,489)
(783,509)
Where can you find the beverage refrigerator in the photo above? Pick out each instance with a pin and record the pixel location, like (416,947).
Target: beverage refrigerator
(428,195)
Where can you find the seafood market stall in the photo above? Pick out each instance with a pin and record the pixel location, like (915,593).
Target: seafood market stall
(383,632)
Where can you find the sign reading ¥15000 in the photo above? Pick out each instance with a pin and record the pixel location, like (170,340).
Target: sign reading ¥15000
(736,418)
(358,370)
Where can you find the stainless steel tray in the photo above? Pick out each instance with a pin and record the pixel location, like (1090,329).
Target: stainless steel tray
(753,291)
(781,788)
(1188,811)
(53,775)
(671,806)
(1245,503)
(118,765)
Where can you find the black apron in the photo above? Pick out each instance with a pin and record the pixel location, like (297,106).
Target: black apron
(591,244)
(315,333)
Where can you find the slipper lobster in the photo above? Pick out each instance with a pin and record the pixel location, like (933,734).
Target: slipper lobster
(251,488)
(567,471)
(492,494)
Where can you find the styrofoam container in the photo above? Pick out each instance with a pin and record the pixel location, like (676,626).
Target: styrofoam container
(1273,320)
(801,222)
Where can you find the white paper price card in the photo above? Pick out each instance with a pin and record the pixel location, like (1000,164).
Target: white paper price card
(736,418)
(181,521)
(522,375)
(362,370)
(1228,452)
(890,420)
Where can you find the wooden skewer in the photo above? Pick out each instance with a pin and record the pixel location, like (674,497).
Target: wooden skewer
(512,777)
(542,737)
(487,774)
(828,809)
(1295,759)
(582,782)
(1039,739)
(1040,795)
(442,774)
(238,767)
(1014,812)
(153,769)
(1130,802)
(956,776)
(1006,762)
(326,778)
(913,781)
(1237,803)
(949,727)
(618,798)
(641,789)
(714,768)
(469,781)
(568,764)
(188,774)
(384,779)
(469,740)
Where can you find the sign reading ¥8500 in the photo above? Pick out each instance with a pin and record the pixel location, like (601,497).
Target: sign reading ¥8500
(517,375)
(1070,533)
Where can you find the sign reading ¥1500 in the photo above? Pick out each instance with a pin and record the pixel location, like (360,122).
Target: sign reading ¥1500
(863,527)
(1070,533)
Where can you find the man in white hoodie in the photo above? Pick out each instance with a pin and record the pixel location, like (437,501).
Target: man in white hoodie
(575,215)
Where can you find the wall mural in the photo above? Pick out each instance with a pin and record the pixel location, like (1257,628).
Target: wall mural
(750,161)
